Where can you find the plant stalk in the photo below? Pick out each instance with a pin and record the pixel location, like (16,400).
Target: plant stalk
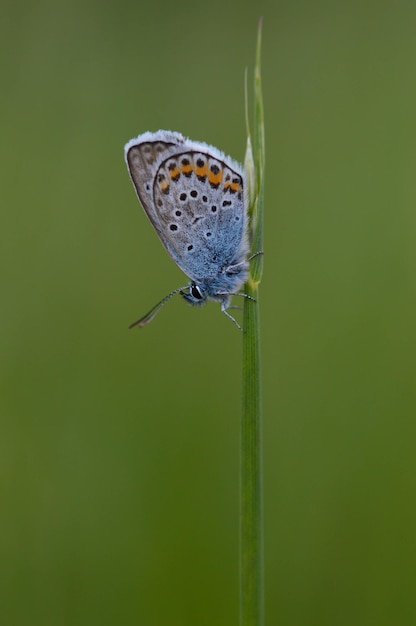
(251,497)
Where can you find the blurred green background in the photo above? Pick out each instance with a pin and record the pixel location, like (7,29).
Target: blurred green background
(119,449)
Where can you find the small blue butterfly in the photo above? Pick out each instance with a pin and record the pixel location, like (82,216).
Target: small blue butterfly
(196,199)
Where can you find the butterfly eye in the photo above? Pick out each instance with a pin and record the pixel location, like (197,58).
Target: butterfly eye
(196,292)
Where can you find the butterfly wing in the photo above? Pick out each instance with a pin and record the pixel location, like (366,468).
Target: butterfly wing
(143,155)
(200,203)
(195,198)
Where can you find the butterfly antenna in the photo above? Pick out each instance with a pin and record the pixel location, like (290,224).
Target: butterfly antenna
(146,319)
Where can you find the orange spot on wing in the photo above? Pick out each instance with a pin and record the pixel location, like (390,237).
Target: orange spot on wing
(215,179)
(186,169)
(201,171)
(164,185)
(174,172)
(232,186)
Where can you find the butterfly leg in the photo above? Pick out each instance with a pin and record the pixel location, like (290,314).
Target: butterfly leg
(235,269)
(255,254)
(231,318)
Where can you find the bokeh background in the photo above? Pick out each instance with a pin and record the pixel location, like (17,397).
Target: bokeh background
(119,449)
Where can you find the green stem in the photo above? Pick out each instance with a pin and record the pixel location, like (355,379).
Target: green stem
(251,529)
(251,532)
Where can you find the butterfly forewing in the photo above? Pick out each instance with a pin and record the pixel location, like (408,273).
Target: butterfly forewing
(143,156)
